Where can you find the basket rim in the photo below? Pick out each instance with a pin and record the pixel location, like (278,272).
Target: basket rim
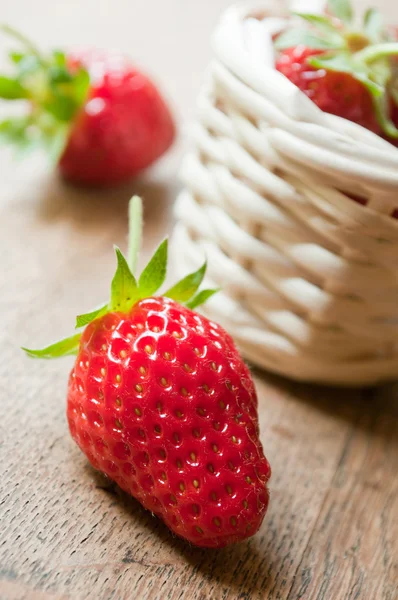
(306,292)
(241,11)
(238,58)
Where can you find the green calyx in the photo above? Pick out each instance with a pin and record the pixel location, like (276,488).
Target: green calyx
(53,92)
(126,291)
(364,53)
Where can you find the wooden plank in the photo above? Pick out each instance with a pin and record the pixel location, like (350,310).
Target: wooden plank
(331,532)
(67,533)
(353,550)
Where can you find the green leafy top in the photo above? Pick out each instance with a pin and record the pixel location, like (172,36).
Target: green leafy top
(53,91)
(126,291)
(365,53)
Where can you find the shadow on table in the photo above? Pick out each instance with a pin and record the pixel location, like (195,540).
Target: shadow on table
(363,407)
(248,569)
(244,569)
(96,207)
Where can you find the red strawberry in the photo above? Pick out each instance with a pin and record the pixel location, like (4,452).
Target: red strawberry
(334,92)
(104,120)
(160,400)
(123,127)
(345,71)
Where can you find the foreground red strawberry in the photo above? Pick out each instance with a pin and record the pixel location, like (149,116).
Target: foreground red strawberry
(103,120)
(346,71)
(160,400)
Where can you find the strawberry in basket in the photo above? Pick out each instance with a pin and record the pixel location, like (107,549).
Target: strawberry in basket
(346,70)
(160,401)
(101,119)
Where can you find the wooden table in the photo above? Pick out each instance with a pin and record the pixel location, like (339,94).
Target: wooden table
(331,532)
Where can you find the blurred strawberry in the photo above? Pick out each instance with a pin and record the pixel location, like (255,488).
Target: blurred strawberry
(100,118)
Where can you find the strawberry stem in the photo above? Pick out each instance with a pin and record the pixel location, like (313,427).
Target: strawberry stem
(381,108)
(373,53)
(125,291)
(135,232)
(22,39)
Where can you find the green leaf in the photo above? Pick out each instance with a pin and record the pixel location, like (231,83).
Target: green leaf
(80,86)
(187,287)
(55,142)
(298,37)
(58,75)
(8,128)
(16,57)
(373,24)
(374,78)
(201,298)
(29,64)
(59,58)
(65,347)
(14,130)
(86,318)
(11,89)
(124,289)
(154,273)
(381,72)
(61,107)
(376,52)
(22,39)
(341,9)
(394,95)
(382,107)
(322,22)
(346,63)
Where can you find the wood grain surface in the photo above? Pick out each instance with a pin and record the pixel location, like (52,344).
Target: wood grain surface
(331,532)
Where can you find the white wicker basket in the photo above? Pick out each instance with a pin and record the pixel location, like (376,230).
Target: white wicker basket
(309,276)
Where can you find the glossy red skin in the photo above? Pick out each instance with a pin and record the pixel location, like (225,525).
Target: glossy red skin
(124,126)
(161,442)
(335,93)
